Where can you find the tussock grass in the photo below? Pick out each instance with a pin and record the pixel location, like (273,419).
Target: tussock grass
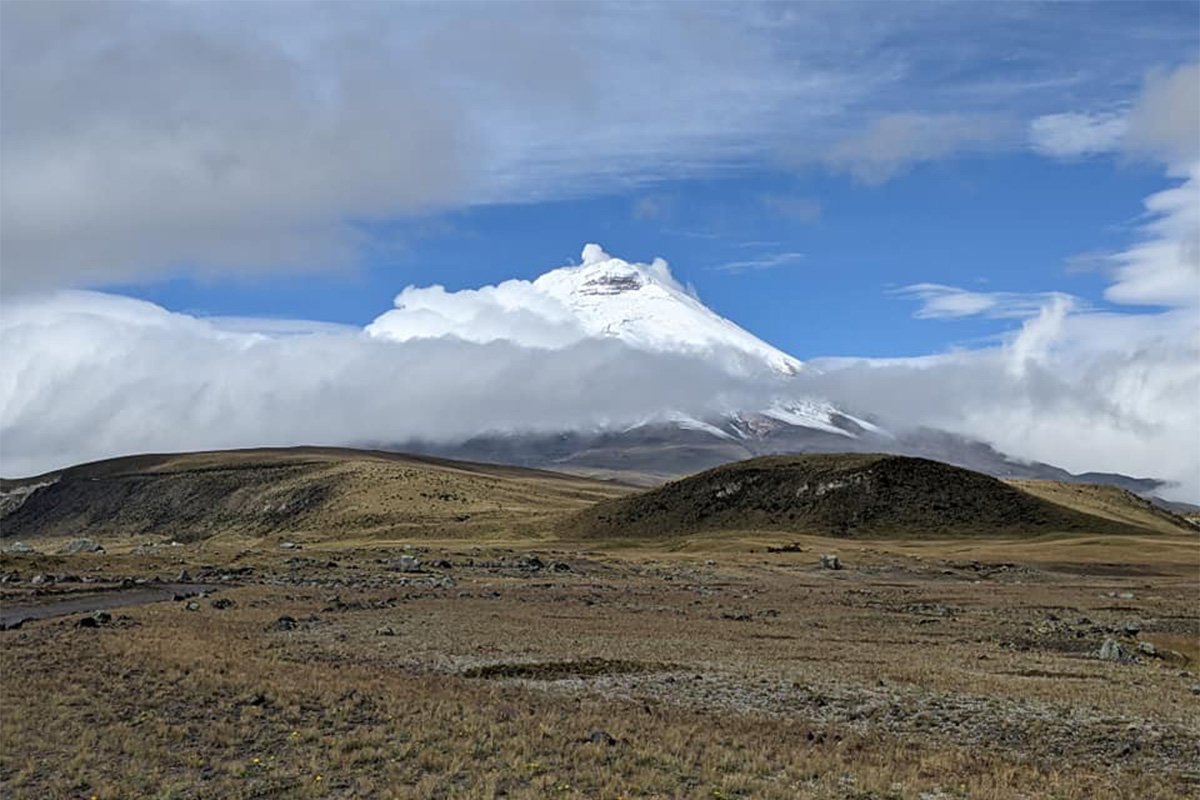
(754,676)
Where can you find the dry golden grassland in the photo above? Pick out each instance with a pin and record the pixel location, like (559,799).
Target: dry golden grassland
(703,667)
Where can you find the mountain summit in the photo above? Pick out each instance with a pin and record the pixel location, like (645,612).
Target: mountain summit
(644,306)
(641,305)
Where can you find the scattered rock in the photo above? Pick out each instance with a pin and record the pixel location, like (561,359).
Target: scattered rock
(222,603)
(442,564)
(531,564)
(407,564)
(932,610)
(830,562)
(284,623)
(1131,629)
(95,620)
(39,580)
(183,577)
(602,737)
(386,630)
(288,546)
(1196,689)
(1112,650)
(76,546)
(1147,648)
(560,566)
(192,606)
(19,548)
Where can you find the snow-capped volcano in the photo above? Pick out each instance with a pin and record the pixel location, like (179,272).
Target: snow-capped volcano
(642,305)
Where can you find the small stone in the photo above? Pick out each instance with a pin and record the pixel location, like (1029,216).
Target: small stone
(284,623)
(602,737)
(1196,688)
(1147,648)
(1111,650)
(1125,595)
(288,546)
(192,605)
(407,564)
(19,548)
(95,620)
(386,630)
(183,577)
(222,603)
(39,580)
(1131,628)
(532,564)
(830,562)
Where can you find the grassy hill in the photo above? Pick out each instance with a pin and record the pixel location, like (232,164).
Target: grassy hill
(297,492)
(853,495)
(1108,502)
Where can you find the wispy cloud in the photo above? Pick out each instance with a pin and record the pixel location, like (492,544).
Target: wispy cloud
(892,144)
(804,210)
(939,301)
(773,261)
(650,208)
(1073,134)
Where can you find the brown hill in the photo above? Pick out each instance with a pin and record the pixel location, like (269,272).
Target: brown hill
(1109,502)
(841,495)
(301,492)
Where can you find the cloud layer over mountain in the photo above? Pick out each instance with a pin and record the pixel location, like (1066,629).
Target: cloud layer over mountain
(91,375)
(141,140)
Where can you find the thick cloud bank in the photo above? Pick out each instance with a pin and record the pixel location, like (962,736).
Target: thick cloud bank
(143,139)
(89,375)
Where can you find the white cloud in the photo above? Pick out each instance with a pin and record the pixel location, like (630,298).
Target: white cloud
(939,301)
(1165,120)
(1071,135)
(892,144)
(1085,391)
(89,375)
(770,261)
(513,311)
(1163,268)
(142,139)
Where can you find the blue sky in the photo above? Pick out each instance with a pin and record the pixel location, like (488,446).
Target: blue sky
(982,217)
(1012,222)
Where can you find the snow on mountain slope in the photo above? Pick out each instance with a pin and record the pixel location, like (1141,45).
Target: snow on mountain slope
(641,305)
(644,306)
